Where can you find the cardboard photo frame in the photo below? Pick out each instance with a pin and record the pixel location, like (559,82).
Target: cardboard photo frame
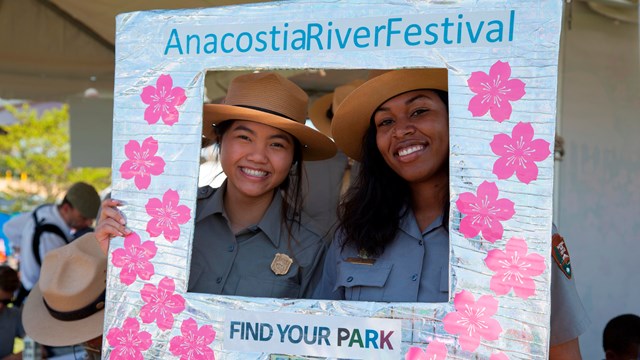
(502,61)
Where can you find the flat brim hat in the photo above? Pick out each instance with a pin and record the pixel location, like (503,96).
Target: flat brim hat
(66,306)
(322,109)
(352,118)
(270,99)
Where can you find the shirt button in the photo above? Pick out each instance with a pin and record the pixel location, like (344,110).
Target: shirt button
(350,279)
(219,280)
(414,277)
(230,248)
(420,242)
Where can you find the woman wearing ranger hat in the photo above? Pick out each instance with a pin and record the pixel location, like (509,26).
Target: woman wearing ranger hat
(392,241)
(251,238)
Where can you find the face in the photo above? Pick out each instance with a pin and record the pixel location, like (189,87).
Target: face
(74,218)
(256,158)
(412,134)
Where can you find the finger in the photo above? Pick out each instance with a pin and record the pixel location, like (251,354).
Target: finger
(112,213)
(111,228)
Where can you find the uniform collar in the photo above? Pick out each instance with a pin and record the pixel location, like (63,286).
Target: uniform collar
(270,223)
(409,225)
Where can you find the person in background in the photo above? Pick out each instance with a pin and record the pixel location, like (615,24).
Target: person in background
(10,316)
(66,306)
(50,226)
(327,180)
(392,241)
(251,237)
(621,338)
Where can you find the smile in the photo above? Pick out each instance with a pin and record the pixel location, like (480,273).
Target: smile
(253,172)
(410,150)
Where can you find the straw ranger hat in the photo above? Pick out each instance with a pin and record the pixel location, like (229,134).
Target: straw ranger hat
(66,306)
(352,118)
(322,110)
(270,99)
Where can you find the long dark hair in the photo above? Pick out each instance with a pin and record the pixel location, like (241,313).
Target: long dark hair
(369,216)
(290,187)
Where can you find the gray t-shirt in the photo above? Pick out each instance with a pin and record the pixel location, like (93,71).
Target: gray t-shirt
(414,268)
(241,264)
(10,328)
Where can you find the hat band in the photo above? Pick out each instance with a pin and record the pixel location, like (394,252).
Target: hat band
(266,110)
(85,312)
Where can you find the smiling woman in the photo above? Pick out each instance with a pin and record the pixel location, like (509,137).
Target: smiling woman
(392,240)
(251,237)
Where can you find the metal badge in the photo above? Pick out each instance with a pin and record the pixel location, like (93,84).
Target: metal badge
(281,264)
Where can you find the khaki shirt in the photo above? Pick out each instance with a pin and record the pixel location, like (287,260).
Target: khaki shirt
(228,264)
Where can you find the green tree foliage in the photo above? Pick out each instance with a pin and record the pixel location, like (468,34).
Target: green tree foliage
(39,147)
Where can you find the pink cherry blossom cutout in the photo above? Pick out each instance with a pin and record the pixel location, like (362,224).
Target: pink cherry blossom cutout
(472,320)
(161,303)
(514,268)
(518,153)
(167,215)
(128,342)
(142,162)
(499,356)
(484,212)
(162,100)
(435,351)
(134,259)
(194,342)
(494,92)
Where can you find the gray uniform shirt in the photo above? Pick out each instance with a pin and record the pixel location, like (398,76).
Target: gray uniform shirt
(228,264)
(415,268)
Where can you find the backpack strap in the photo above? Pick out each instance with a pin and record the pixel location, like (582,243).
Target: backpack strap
(42,227)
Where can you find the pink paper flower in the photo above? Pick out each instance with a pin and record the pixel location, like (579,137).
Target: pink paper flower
(128,342)
(141,162)
(499,356)
(472,320)
(435,351)
(514,268)
(194,342)
(484,212)
(167,215)
(518,153)
(134,259)
(161,303)
(162,100)
(494,91)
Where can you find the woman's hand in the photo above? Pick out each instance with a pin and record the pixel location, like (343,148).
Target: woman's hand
(111,223)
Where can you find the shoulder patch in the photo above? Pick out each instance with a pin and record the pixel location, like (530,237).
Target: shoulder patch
(561,254)
(205,192)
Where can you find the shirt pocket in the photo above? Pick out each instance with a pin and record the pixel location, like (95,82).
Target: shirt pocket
(258,287)
(362,282)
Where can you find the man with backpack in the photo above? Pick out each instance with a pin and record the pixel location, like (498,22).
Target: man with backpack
(50,226)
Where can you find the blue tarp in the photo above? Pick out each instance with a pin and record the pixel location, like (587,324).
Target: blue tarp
(3,219)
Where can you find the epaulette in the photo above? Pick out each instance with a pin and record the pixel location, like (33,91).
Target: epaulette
(205,192)
(560,254)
